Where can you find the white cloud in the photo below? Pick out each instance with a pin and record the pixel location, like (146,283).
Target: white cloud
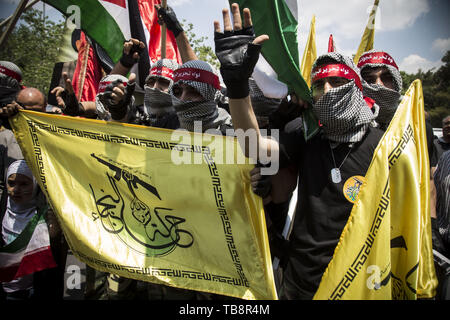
(176,3)
(441,45)
(347,19)
(399,14)
(414,62)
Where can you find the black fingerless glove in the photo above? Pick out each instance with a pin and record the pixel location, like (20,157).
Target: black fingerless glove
(71,105)
(238,56)
(170,19)
(118,111)
(127,60)
(264,185)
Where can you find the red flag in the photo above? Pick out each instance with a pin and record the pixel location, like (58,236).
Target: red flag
(88,71)
(331,46)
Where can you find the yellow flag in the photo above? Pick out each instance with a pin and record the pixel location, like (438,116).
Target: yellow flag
(152,204)
(385,249)
(310,53)
(368,35)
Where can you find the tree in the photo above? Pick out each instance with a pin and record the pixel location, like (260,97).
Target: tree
(436,90)
(34,45)
(203,52)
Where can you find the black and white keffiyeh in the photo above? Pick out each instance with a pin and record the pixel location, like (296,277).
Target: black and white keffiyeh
(10,79)
(104,95)
(387,99)
(202,77)
(342,111)
(157,102)
(206,112)
(163,68)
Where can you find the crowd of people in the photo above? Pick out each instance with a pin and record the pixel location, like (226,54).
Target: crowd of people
(354,106)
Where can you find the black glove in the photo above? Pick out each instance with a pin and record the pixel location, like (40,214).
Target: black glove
(263,186)
(238,56)
(71,105)
(118,111)
(170,19)
(127,60)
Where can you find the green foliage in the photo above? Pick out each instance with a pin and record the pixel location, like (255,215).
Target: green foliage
(436,90)
(34,46)
(203,52)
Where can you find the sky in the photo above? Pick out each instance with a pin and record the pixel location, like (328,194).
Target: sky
(415,32)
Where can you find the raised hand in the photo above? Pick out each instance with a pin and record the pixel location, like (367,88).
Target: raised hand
(66,98)
(238,50)
(132,50)
(168,16)
(117,97)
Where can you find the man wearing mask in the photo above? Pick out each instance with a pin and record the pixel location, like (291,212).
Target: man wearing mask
(382,82)
(194,98)
(342,150)
(10,82)
(158,110)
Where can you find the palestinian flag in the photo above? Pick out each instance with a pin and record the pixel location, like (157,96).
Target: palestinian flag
(111,22)
(28,253)
(278,19)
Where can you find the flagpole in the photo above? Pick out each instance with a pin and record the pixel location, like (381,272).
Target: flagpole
(163,34)
(26,8)
(20,8)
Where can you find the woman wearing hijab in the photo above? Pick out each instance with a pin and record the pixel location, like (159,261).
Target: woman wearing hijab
(21,207)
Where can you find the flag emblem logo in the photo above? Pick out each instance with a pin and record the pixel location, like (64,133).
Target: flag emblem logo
(352,187)
(131,208)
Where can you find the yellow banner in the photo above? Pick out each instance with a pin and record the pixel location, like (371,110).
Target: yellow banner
(368,36)
(310,53)
(385,249)
(152,204)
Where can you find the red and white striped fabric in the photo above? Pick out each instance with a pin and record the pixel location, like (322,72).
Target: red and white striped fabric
(28,253)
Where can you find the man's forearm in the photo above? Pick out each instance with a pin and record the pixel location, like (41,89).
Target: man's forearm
(186,51)
(244,118)
(120,69)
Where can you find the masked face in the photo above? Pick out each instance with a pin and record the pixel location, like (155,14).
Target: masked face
(158,83)
(185,92)
(379,85)
(189,112)
(343,113)
(157,102)
(322,86)
(379,76)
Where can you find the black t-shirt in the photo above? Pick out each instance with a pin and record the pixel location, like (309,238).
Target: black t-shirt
(322,208)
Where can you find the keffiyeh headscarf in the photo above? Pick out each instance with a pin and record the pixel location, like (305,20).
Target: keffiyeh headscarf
(386,98)
(157,102)
(10,78)
(342,111)
(203,78)
(104,88)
